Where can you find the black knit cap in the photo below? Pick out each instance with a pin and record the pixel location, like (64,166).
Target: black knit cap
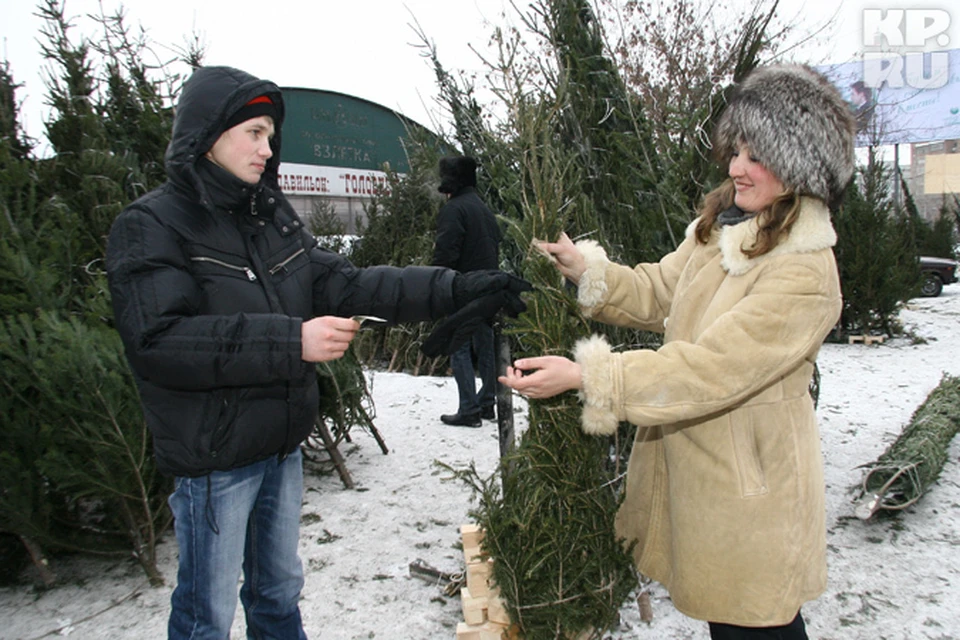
(259,106)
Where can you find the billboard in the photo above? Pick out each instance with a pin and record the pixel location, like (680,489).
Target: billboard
(901,99)
(331,129)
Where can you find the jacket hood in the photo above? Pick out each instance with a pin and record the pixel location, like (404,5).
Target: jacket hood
(209,97)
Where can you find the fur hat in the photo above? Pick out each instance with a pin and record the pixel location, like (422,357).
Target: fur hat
(797,124)
(259,106)
(457,172)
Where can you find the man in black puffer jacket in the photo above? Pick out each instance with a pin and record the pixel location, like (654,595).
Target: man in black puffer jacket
(224,303)
(468,239)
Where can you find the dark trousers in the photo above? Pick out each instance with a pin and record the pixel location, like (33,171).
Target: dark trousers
(796,630)
(461,361)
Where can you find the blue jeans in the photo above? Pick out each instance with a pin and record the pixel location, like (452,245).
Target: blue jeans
(461,362)
(249,519)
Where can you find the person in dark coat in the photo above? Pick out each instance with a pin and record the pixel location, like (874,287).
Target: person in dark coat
(468,239)
(224,302)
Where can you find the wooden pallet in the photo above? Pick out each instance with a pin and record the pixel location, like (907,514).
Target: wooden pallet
(484,616)
(866,339)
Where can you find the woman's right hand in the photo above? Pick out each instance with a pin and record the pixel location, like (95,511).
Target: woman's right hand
(568,259)
(543,377)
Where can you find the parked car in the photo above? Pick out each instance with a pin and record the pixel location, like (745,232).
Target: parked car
(936,273)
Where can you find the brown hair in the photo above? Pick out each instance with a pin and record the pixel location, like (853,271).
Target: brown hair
(775,221)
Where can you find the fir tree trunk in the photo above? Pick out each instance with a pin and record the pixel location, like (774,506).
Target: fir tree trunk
(39,559)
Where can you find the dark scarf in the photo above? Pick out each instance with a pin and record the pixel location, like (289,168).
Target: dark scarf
(733,215)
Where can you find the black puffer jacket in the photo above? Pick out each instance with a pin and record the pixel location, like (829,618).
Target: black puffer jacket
(211,280)
(468,238)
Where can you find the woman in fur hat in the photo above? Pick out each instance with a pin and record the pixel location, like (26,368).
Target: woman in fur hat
(724,491)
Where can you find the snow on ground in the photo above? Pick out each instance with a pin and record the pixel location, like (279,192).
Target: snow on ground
(896,579)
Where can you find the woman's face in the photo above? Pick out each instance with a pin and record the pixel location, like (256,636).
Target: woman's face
(756,187)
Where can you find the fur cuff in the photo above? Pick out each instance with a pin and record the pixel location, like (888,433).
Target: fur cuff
(592,288)
(595,358)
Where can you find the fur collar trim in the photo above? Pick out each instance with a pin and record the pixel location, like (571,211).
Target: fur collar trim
(813,231)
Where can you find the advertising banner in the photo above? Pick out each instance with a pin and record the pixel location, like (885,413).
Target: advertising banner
(897,99)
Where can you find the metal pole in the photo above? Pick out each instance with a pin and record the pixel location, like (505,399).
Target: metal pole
(896,176)
(504,395)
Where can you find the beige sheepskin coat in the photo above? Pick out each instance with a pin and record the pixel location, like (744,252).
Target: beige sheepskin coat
(724,489)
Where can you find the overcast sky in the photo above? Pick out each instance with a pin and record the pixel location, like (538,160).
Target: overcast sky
(359,47)
(364,47)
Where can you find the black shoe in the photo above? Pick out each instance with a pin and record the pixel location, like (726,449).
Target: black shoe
(461,420)
(487,413)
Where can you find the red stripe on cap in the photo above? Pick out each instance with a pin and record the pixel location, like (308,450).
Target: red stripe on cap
(261,100)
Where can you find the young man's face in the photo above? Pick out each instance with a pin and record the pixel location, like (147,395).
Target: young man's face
(244,149)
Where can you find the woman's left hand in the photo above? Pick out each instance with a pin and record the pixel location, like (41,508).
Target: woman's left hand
(543,377)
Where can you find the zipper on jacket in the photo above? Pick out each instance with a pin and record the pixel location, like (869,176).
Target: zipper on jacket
(251,276)
(283,265)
